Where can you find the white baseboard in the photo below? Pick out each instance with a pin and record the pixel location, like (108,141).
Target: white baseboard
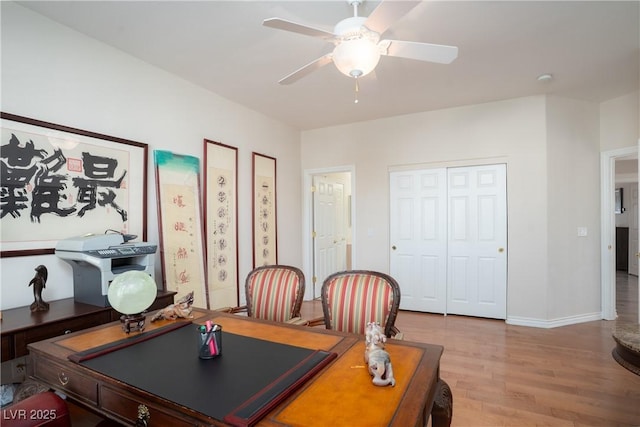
(553,323)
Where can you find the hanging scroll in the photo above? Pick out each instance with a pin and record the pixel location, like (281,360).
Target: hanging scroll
(181,230)
(265,247)
(221,223)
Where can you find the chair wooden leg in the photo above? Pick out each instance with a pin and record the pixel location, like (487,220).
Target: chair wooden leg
(442,410)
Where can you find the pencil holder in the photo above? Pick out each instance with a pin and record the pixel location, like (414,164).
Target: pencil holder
(209,341)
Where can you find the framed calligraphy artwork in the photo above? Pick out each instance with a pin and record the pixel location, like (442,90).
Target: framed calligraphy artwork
(221,223)
(265,245)
(180,222)
(60,182)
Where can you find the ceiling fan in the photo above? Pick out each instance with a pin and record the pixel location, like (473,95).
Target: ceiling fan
(357,41)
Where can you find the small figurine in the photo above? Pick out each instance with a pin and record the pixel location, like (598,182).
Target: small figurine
(376,356)
(39,281)
(182,308)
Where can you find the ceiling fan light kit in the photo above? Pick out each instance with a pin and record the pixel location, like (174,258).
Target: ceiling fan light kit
(356,58)
(357,41)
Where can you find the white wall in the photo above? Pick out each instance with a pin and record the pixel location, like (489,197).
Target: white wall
(54,74)
(513,131)
(620,122)
(573,181)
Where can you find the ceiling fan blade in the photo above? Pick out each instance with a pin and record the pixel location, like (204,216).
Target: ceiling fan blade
(439,53)
(387,13)
(307,69)
(283,24)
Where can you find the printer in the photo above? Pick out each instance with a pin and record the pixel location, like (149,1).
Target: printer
(97,259)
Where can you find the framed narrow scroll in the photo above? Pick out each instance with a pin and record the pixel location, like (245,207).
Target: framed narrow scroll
(265,245)
(221,223)
(181,230)
(60,182)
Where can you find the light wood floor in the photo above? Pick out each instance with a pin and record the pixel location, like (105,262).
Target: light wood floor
(503,375)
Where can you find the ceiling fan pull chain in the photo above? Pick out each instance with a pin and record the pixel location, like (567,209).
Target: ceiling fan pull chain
(355,101)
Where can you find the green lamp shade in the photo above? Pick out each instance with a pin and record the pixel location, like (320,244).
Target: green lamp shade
(132,292)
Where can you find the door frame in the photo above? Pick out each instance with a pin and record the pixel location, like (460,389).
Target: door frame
(608,228)
(307,221)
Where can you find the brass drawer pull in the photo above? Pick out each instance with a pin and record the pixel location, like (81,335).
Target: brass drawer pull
(63,378)
(143,416)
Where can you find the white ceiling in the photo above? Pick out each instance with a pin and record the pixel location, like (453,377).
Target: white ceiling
(591,48)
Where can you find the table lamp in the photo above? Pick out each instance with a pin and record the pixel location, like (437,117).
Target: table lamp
(130,294)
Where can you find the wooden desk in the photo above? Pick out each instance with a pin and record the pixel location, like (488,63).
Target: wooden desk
(341,394)
(20,326)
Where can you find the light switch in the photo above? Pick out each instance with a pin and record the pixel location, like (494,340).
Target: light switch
(582,231)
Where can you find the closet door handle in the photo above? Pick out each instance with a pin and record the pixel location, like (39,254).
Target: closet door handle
(393,247)
(500,250)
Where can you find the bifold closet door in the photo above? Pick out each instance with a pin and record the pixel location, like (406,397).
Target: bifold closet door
(418,236)
(448,235)
(477,243)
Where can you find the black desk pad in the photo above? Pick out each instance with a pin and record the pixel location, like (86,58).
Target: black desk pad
(238,387)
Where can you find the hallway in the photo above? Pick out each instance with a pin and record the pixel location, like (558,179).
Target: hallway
(626,297)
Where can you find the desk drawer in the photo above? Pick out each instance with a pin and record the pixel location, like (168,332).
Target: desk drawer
(67,380)
(125,407)
(55,329)
(66,326)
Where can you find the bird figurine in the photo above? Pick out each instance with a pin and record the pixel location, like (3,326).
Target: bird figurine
(39,283)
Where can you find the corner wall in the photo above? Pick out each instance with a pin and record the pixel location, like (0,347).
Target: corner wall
(573,187)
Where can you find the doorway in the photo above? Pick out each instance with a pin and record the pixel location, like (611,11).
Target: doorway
(610,180)
(329,225)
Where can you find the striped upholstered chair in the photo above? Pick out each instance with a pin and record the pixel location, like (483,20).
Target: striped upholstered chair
(351,299)
(274,292)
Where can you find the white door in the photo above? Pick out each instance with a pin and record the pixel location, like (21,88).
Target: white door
(448,235)
(477,245)
(418,237)
(329,242)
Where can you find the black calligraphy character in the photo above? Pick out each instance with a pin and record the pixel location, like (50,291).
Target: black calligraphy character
(16,174)
(222,228)
(98,170)
(47,196)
